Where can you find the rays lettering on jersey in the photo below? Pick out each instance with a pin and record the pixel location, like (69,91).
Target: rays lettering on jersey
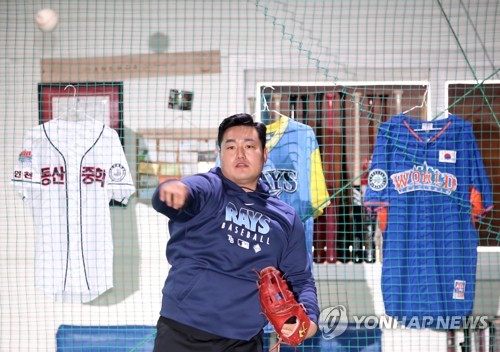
(246,223)
(424,178)
(280,180)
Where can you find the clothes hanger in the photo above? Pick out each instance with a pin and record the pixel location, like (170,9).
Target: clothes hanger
(73,113)
(276,103)
(276,99)
(293,105)
(305,107)
(424,103)
(426,125)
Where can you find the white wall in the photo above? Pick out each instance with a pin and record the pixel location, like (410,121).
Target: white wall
(309,40)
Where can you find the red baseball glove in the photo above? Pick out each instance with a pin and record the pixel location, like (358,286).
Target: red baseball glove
(280,307)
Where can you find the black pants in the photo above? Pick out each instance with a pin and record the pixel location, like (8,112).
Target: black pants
(176,337)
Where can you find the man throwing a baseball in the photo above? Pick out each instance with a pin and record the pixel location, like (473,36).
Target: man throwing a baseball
(225,228)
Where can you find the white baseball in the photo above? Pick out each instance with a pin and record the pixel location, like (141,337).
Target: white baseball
(46,20)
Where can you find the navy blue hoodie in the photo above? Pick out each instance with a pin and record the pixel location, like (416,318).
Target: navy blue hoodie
(217,241)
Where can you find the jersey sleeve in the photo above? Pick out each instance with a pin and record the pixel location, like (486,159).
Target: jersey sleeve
(295,265)
(120,185)
(377,191)
(320,198)
(26,176)
(200,191)
(481,197)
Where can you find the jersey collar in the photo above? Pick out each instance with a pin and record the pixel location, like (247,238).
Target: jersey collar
(275,131)
(407,122)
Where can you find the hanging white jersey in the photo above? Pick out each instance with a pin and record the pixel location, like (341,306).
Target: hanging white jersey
(69,171)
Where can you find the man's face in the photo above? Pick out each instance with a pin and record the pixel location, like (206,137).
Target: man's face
(241,156)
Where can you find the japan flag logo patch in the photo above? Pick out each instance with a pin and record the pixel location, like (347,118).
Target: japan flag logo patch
(448,156)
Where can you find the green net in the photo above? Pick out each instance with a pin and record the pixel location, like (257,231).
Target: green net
(382,123)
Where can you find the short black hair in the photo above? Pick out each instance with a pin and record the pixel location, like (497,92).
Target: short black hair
(242,120)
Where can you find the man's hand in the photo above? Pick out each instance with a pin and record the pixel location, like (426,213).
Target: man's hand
(313,328)
(174,194)
(286,315)
(288,329)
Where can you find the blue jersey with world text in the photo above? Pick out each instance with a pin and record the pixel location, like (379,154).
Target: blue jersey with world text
(428,184)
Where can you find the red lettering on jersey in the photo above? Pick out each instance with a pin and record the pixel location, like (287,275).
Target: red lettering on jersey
(91,174)
(450,182)
(56,177)
(437,177)
(100,175)
(415,177)
(401,180)
(427,178)
(424,177)
(88,173)
(45,176)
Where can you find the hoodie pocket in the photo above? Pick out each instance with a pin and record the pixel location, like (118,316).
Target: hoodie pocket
(230,302)
(183,284)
